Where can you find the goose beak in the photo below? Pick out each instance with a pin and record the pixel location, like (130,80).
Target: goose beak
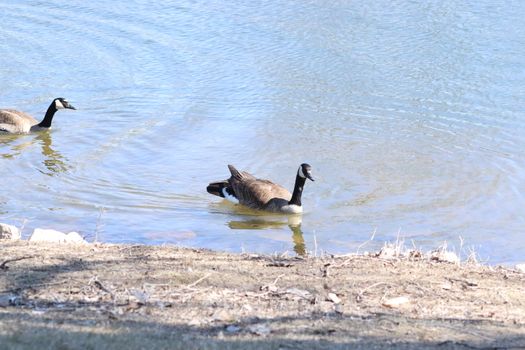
(70,106)
(309,176)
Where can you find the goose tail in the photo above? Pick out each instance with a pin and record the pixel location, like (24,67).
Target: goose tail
(236,174)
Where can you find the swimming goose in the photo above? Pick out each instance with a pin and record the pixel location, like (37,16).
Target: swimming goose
(254,193)
(16,122)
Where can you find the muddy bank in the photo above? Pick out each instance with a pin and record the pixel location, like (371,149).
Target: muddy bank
(137,297)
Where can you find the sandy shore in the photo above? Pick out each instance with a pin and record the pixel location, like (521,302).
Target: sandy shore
(143,297)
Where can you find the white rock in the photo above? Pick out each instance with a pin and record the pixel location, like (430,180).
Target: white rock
(334,298)
(54,236)
(9,232)
(75,237)
(520,267)
(395,302)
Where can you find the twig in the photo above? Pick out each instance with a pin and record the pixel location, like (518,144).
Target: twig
(99,224)
(359,295)
(277,279)
(315,246)
(198,281)
(24,222)
(3,266)
(269,285)
(366,242)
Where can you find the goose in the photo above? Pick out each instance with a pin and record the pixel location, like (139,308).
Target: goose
(17,122)
(246,189)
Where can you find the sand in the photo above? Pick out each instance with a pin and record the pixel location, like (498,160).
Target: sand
(102,296)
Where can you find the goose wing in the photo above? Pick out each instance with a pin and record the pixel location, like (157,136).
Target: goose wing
(15,121)
(256,193)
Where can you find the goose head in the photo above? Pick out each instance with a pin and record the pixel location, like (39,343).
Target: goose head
(305,171)
(62,103)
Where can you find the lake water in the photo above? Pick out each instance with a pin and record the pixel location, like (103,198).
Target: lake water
(410,113)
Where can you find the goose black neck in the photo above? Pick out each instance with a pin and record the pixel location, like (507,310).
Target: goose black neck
(48,118)
(297,190)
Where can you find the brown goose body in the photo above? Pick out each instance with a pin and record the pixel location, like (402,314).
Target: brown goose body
(17,122)
(262,194)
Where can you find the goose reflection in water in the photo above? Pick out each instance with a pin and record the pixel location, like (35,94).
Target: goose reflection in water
(53,161)
(294,223)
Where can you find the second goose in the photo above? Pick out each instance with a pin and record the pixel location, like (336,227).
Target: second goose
(246,189)
(17,122)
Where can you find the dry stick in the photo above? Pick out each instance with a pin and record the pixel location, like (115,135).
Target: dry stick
(366,242)
(99,225)
(3,266)
(315,246)
(273,283)
(360,294)
(198,281)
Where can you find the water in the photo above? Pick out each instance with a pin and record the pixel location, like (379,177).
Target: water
(411,115)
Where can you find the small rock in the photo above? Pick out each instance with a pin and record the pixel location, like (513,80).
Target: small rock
(54,236)
(395,302)
(520,267)
(9,232)
(233,329)
(334,298)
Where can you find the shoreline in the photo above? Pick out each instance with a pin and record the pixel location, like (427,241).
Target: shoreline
(137,296)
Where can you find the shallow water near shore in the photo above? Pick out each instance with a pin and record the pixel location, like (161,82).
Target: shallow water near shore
(410,114)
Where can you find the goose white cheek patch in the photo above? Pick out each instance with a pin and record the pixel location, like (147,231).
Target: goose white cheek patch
(301,174)
(59,104)
(229,196)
